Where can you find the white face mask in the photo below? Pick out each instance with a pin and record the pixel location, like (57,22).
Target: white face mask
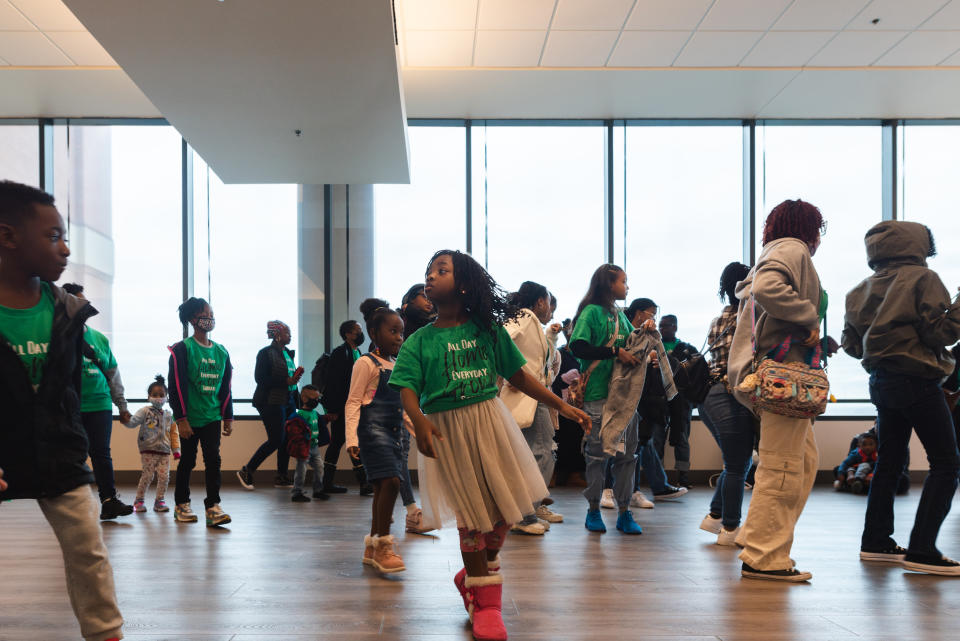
(157,402)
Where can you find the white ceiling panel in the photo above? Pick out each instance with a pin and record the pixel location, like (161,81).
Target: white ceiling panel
(946,18)
(439,48)
(591,14)
(58,93)
(509,48)
(49,15)
(578,48)
(511,14)
(786,48)
(648,48)
(743,15)
(443,15)
(813,15)
(922,48)
(667,14)
(952,61)
(29,49)
(82,48)
(717,48)
(13,20)
(896,14)
(856,48)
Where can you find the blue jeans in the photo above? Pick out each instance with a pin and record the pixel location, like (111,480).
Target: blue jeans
(624,463)
(539,436)
(731,425)
(406,483)
(906,403)
(300,474)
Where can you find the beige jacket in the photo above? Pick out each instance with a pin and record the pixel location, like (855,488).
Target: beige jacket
(539,347)
(786,287)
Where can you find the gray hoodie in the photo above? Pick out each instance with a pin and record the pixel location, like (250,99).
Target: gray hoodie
(787,290)
(901,318)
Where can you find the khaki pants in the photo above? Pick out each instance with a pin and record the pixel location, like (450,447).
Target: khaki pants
(74,517)
(785,476)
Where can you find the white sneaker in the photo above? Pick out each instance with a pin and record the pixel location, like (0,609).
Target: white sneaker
(546,514)
(711,525)
(536,528)
(728,537)
(545,524)
(639,500)
(607,501)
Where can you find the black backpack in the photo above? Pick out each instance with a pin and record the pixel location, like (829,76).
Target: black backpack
(318,376)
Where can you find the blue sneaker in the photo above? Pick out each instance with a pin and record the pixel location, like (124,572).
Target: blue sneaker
(626,524)
(595,521)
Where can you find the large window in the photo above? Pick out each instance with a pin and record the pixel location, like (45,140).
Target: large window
(838,169)
(20,153)
(930,189)
(539,206)
(119,188)
(246,237)
(683,218)
(413,221)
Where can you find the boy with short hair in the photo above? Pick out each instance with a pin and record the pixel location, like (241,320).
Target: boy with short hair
(43,447)
(309,415)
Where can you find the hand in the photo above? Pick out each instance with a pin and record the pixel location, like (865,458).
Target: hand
(654,359)
(353,451)
(648,325)
(812,338)
(298,373)
(183,427)
(626,357)
(3,484)
(425,433)
(227,427)
(556,328)
(125,417)
(830,346)
(578,415)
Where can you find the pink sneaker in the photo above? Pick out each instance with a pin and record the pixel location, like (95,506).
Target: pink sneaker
(160,506)
(138,506)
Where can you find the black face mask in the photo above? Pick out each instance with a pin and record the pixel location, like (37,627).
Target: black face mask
(360,339)
(311,403)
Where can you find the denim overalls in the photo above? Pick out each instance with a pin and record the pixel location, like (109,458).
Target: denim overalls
(379,430)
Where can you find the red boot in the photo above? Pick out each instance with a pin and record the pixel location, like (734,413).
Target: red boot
(485,593)
(460,578)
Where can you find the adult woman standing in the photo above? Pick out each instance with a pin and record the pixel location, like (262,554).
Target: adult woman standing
(780,298)
(730,423)
(276,399)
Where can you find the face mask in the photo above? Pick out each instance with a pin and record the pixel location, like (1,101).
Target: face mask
(360,339)
(206,324)
(311,403)
(158,402)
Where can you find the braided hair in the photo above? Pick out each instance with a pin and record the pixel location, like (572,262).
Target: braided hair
(480,295)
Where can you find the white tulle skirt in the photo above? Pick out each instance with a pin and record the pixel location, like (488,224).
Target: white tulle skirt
(484,471)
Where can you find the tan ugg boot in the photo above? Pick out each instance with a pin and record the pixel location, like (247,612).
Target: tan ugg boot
(385,557)
(368,550)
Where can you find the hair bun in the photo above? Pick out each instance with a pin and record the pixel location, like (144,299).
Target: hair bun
(160,380)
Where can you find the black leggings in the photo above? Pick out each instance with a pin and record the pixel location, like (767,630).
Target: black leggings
(274,419)
(99,427)
(338,436)
(207,437)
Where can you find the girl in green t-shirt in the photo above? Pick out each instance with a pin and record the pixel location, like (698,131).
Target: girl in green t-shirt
(600,331)
(475,464)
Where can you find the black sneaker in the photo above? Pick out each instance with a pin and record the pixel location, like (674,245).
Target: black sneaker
(892,554)
(113,507)
(334,489)
(282,482)
(683,480)
(669,492)
(793,575)
(322,496)
(300,498)
(858,487)
(246,478)
(366,490)
(931,565)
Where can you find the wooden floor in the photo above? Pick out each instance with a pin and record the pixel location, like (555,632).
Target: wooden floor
(292,571)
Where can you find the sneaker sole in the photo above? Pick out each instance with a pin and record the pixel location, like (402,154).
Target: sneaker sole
(931,569)
(642,507)
(522,531)
(711,530)
(220,522)
(797,578)
(608,506)
(185,520)
(879,557)
(668,497)
(246,486)
(630,533)
(164,510)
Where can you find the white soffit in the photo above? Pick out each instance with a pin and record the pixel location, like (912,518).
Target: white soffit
(238,78)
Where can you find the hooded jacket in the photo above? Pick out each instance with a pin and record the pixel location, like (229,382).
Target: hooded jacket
(786,287)
(43,446)
(539,347)
(901,318)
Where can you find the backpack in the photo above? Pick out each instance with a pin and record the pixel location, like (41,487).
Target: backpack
(318,376)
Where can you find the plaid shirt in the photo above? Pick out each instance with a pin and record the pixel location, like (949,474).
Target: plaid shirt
(726,321)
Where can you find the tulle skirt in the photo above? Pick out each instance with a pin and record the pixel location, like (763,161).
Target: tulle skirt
(484,471)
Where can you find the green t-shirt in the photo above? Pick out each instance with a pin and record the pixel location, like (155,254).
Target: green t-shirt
(27,331)
(356,355)
(94,387)
(669,346)
(312,419)
(595,325)
(205,369)
(291,368)
(454,367)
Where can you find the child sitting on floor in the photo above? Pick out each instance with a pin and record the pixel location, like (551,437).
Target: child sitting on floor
(856,471)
